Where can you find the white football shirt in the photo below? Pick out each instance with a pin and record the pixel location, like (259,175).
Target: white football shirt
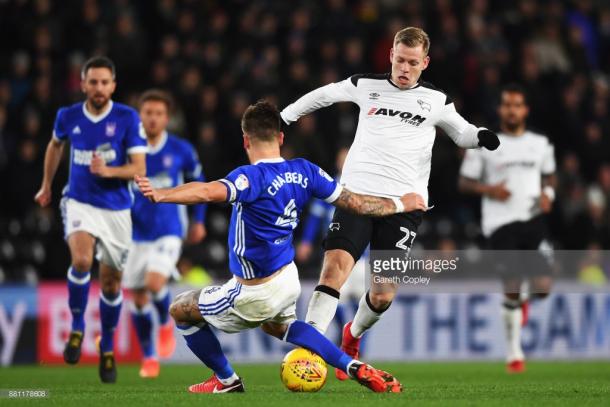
(392,148)
(520,161)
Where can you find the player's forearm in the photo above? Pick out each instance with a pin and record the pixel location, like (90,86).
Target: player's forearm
(197,211)
(365,204)
(467,137)
(52,158)
(308,103)
(187,194)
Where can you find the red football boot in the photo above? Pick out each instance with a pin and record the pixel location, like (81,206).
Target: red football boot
(516,366)
(376,380)
(213,385)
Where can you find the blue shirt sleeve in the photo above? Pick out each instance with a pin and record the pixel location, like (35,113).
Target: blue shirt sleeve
(194,172)
(322,185)
(135,142)
(60,131)
(242,184)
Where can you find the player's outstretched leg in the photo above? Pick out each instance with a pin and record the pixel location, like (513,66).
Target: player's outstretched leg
(204,344)
(323,303)
(141,317)
(79,276)
(306,336)
(111,300)
(366,316)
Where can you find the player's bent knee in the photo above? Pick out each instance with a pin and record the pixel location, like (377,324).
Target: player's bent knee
(185,308)
(381,301)
(82,263)
(274,329)
(140,298)
(155,281)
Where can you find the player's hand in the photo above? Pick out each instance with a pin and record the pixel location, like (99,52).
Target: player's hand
(43,196)
(98,166)
(146,189)
(488,139)
(304,250)
(413,202)
(546,204)
(197,232)
(498,192)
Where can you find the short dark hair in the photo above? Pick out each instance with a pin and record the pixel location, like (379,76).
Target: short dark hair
(156,95)
(515,88)
(98,62)
(262,121)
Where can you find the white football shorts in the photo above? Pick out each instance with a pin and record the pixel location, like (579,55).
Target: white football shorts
(234,307)
(159,256)
(111,228)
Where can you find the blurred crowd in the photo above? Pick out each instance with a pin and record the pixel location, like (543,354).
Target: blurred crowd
(216,57)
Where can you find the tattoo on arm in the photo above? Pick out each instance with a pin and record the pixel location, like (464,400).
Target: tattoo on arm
(365,204)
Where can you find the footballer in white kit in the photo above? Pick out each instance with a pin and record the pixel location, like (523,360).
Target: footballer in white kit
(516,185)
(390,156)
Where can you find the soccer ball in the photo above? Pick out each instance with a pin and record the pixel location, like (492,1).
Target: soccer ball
(303,371)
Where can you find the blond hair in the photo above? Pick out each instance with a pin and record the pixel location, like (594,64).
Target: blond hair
(413,37)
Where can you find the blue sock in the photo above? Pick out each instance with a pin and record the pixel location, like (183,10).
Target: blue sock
(308,337)
(110,309)
(142,321)
(78,293)
(161,301)
(204,344)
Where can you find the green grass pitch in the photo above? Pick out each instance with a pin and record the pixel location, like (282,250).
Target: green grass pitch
(440,384)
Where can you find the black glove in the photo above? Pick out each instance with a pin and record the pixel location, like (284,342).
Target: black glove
(488,139)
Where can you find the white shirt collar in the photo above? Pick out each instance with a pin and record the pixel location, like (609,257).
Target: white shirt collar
(270,160)
(155,149)
(100,117)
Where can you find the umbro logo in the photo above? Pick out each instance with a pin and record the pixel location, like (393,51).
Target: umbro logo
(374,96)
(76,130)
(334,226)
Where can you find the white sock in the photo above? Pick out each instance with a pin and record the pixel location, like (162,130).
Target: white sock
(322,307)
(229,380)
(511,313)
(365,317)
(349,367)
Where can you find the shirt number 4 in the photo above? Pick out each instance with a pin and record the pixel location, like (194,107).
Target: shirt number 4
(289,218)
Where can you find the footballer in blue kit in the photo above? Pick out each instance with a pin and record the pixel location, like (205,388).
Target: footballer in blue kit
(107,149)
(267,197)
(158,231)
